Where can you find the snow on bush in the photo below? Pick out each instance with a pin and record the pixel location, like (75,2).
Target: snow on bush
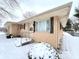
(41,51)
(20,41)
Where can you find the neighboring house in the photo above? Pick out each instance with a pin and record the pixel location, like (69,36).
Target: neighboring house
(13,28)
(47,26)
(2,29)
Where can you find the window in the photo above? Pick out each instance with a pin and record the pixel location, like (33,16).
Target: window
(42,26)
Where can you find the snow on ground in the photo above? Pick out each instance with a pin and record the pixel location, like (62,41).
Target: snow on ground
(2,34)
(70,47)
(8,50)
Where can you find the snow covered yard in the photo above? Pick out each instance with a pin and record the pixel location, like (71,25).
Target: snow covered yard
(70,47)
(8,50)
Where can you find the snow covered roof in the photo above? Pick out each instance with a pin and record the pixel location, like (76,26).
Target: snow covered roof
(8,23)
(60,11)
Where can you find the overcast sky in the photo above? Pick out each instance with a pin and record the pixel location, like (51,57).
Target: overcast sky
(40,6)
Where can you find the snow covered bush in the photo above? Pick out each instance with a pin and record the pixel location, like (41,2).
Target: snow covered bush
(41,51)
(20,41)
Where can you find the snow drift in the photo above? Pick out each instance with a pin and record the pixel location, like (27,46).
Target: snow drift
(70,47)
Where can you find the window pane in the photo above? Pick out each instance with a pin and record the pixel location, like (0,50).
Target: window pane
(43,26)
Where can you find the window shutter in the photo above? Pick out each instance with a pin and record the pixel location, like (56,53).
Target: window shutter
(24,25)
(34,26)
(51,24)
(60,26)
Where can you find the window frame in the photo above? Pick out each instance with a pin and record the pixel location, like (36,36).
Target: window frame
(48,26)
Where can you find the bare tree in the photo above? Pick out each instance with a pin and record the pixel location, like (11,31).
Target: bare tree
(4,12)
(0,22)
(29,14)
(12,4)
(8,7)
